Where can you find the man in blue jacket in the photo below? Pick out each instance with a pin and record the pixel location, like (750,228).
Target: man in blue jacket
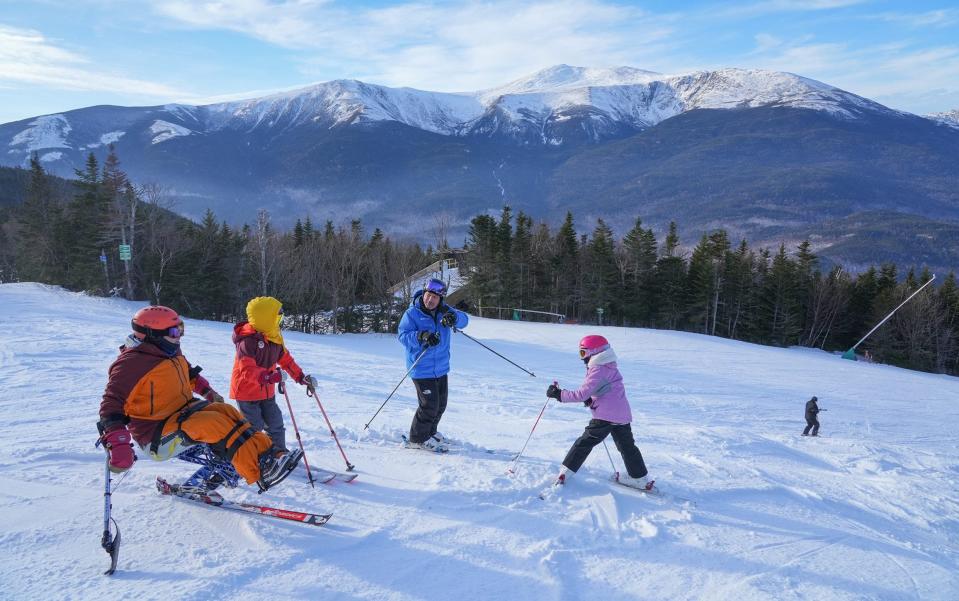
(427,328)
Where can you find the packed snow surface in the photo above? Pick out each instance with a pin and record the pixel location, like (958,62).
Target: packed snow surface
(752,510)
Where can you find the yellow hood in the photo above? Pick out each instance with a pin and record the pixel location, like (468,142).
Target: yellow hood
(263,313)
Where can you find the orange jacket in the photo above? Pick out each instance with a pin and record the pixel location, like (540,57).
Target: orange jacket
(145,386)
(256,356)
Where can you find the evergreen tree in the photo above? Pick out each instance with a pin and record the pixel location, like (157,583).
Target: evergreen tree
(671,277)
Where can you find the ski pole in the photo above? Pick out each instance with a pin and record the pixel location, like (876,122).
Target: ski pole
(311,392)
(110,544)
(610,455)
(494,352)
(509,469)
(309,474)
(395,388)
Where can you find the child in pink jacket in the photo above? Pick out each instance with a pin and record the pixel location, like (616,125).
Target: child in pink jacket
(604,394)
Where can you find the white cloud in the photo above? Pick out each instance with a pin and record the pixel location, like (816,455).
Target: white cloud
(28,58)
(933,18)
(443,46)
(898,74)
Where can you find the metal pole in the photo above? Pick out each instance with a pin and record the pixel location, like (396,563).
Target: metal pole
(309,474)
(509,469)
(395,388)
(610,455)
(311,392)
(494,352)
(851,351)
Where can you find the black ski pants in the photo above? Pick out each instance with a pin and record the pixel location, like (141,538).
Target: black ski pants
(431,393)
(811,423)
(595,432)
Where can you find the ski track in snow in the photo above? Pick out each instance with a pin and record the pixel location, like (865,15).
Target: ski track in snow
(867,511)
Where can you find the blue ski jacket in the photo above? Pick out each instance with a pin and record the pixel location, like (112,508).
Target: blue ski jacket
(436,362)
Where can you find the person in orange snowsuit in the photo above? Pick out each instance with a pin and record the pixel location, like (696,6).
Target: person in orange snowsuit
(149,400)
(260,354)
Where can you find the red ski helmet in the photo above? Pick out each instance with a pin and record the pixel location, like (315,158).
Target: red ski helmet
(592,345)
(157,321)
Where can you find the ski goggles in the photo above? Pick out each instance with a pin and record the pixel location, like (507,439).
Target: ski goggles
(436,287)
(583,353)
(173,332)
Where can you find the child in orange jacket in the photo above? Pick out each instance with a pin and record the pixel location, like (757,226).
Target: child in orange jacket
(260,353)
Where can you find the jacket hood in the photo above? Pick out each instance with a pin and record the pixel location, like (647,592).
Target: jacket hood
(263,313)
(607,356)
(243,330)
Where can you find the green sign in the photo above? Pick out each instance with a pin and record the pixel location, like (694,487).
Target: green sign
(125,253)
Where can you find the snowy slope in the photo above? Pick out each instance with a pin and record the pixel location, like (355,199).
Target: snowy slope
(868,511)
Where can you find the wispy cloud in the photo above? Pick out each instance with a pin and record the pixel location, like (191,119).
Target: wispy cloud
(896,73)
(28,58)
(442,46)
(933,18)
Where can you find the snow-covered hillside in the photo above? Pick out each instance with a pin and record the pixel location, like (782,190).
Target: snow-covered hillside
(867,511)
(950,118)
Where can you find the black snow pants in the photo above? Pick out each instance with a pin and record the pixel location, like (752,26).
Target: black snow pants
(811,422)
(431,393)
(595,432)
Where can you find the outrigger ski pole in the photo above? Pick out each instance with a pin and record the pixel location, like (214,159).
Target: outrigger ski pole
(110,544)
(311,392)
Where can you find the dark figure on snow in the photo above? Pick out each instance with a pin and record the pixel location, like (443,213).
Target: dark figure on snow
(425,330)
(812,421)
(603,392)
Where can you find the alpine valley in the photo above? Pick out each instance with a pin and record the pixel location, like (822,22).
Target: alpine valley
(770,156)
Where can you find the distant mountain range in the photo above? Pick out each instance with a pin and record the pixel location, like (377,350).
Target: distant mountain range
(768,155)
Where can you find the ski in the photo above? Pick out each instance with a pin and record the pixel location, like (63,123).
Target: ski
(553,488)
(213,499)
(330,475)
(112,546)
(321,476)
(654,491)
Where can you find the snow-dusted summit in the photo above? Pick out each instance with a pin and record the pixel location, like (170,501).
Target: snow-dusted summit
(559,105)
(950,118)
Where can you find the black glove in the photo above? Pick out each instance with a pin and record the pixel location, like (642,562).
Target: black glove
(449,318)
(588,402)
(554,392)
(428,338)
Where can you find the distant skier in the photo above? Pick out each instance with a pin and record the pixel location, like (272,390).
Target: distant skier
(260,353)
(149,399)
(603,392)
(812,419)
(426,327)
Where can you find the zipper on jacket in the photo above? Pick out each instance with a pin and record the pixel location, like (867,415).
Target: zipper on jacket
(151,397)
(176,368)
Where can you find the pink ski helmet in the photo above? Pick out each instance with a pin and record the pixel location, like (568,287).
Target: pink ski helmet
(592,345)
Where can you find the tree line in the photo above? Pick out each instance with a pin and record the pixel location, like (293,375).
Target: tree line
(718,288)
(331,278)
(339,278)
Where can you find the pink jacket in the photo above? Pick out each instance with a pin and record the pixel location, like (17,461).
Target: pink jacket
(605,384)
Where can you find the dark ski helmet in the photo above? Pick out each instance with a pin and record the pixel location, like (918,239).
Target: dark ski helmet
(436,286)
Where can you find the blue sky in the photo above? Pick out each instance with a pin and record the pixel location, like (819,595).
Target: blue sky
(57,55)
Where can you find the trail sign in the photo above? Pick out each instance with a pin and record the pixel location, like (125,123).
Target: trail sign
(125,253)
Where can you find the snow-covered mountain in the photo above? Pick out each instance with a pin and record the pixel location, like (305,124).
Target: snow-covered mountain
(757,512)
(950,118)
(539,108)
(768,155)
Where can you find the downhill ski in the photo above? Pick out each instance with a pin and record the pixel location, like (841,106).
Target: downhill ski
(213,499)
